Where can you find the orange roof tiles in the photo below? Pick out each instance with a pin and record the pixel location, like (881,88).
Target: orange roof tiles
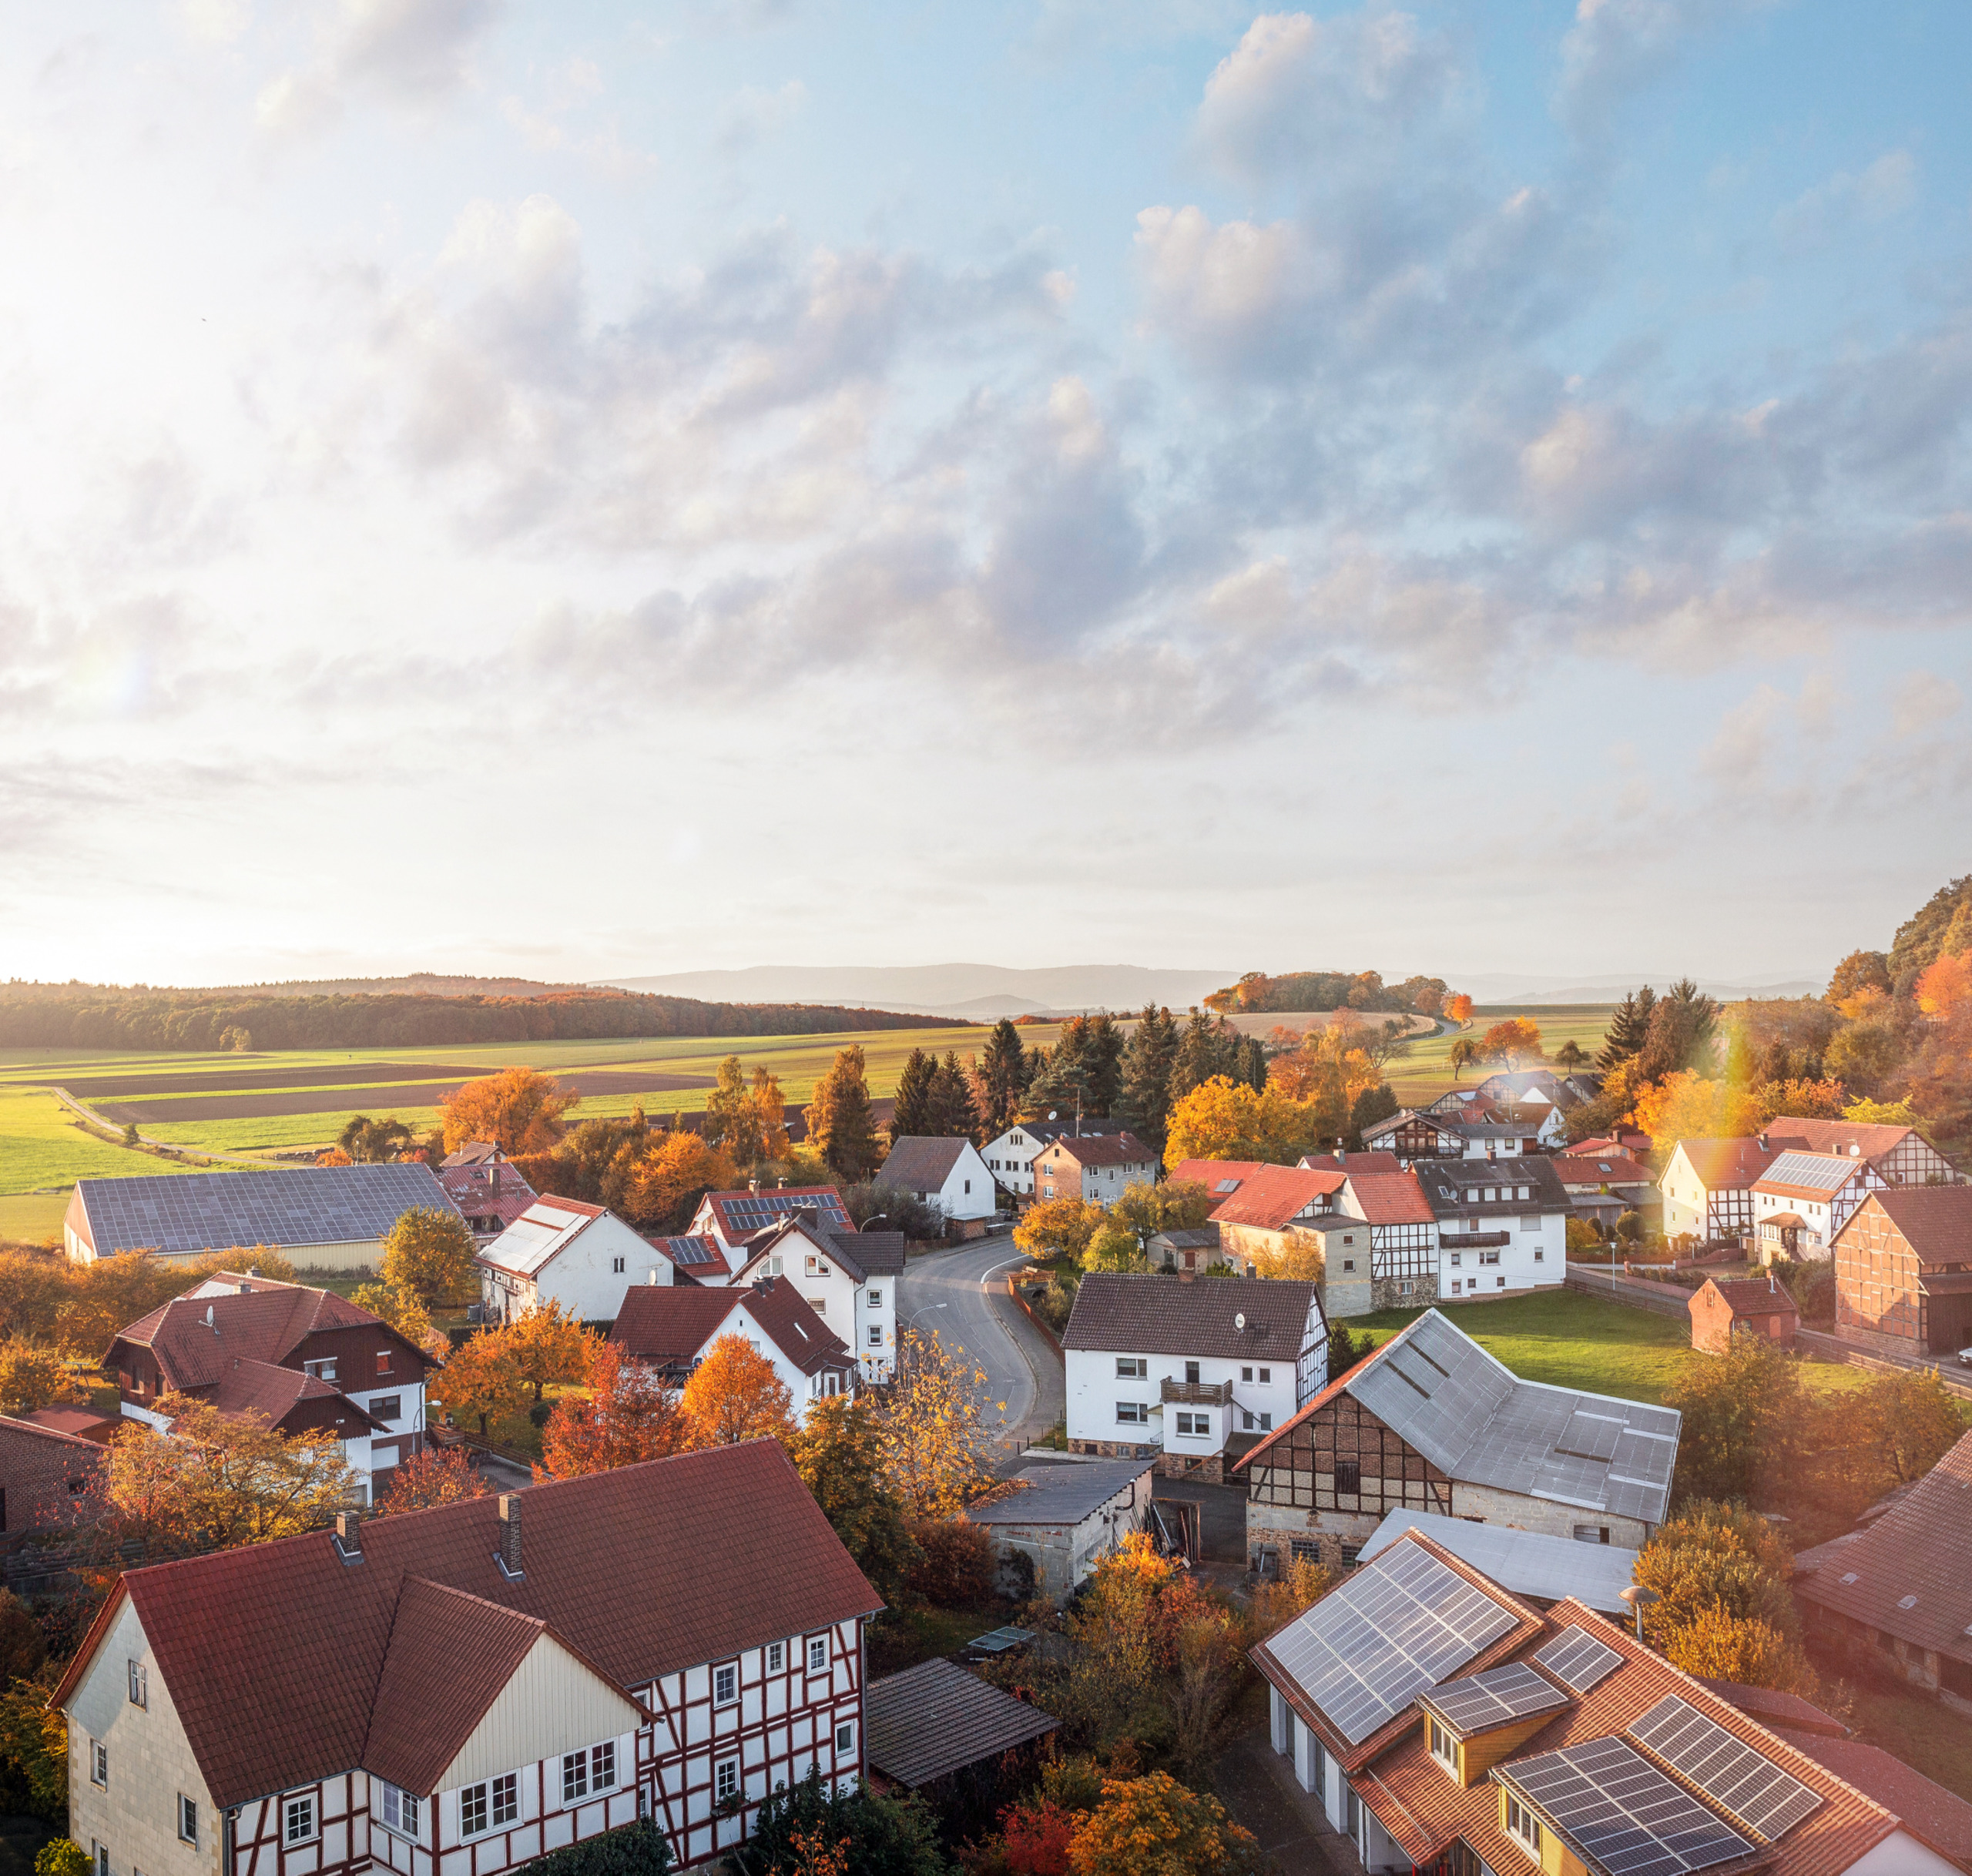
(1274,1196)
(1388,1198)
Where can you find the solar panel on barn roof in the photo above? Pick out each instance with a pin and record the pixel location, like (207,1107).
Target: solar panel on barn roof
(190,1212)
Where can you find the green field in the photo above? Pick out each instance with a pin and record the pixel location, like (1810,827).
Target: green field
(1422,1070)
(44,1150)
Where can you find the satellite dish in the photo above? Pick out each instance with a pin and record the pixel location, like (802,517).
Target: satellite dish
(1050,1113)
(1239,1321)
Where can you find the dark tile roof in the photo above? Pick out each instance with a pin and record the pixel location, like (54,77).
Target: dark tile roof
(479,1193)
(1771,1707)
(1202,1238)
(919,1165)
(935,1719)
(1442,1181)
(874,1253)
(1932,1815)
(1915,1552)
(1169,1315)
(1061,1494)
(474,1153)
(1936,1220)
(672,1325)
(273,1653)
(696,1257)
(1123,1149)
(179,1212)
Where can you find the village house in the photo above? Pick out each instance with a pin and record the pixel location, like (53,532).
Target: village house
(1430,1421)
(1064,1519)
(672,1329)
(1722,1308)
(1010,1156)
(1896,1155)
(1189,1372)
(1341,1161)
(1409,1136)
(1708,1188)
(1194,1249)
(949,1174)
(1264,1222)
(306,1361)
(1443,1724)
(1897,1594)
(847,1277)
(1539,1085)
(49,1480)
(733,1219)
(564,1251)
(1600,1188)
(1502,1226)
(320,1217)
(466,1688)
(695,1260)
(489,1193)
(1802,1200)
(1903,1271)
(1399,1231)
(1097,1168)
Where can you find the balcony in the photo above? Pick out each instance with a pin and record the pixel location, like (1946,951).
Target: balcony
(1198,1393)
(1474,1241)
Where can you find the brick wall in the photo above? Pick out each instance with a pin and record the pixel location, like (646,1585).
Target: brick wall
(38,1470)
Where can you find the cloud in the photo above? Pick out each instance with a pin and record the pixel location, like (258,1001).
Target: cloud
(218,22)
(753,115)
(1922,698)
(1886,189)
(1616,48)
(411,52)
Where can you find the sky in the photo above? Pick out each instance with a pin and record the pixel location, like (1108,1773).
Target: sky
(615,488)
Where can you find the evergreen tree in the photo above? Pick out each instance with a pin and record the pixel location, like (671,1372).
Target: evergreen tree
(1210,1046)
(1251,1068)
(840,1126)
(1146,1103)
(1628,1028)
(949,1113)
(1372,1105)
(1002,1079)
(913,1117)
(1102,1057)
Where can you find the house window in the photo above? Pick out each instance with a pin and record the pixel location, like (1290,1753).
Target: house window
(1444,1748)
(1540,1257)
(387,1407)
(1489,1257)
(1132,1367)
(1455,1256)
(845,1737)
(101,1860)
(383,1361)
(1532,1222)
(1266,1423)
(616,1264)
(1246,1374)
(602,1766)
(1591,1533)
(140,1685)
(1499,1283)
(298,1819)
(725,1685)
(776,1656)
(728,1783)
(1348,1475)
(320,1371)
(876,1334)
(188,1819)
(99,1763)
(818,1654)
(1246,1420)
(1348,1263)
(574,1776)
(1523,1826)
(472,1811)
(876,1299)
(1186,1422)
(400,1811)
(1132,1413)
(968,1185)
(1266,1377)
(506,1798)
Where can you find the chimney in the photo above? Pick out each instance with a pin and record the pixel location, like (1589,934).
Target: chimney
(508,1556)
(753,1186)
(348,1539)
(494,1176)
(1773,1288)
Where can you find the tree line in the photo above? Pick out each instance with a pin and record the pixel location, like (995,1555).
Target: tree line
(1259,994)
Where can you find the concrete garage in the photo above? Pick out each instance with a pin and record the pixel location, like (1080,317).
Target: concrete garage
(1068,1516)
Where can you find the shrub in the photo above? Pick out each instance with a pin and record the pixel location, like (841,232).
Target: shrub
(62,1856)
(639,1849)
(958,1565)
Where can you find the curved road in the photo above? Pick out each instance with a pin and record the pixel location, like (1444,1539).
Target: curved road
(960,1295)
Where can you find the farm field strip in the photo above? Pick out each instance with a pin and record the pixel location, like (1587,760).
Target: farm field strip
(42,1145)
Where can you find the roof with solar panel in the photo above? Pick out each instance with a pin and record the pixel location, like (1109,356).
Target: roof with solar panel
(1636,1768)
(1476,1421)
(732,1217)
(178,1214)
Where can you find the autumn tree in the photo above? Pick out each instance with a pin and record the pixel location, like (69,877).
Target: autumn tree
(931,1427)
(1568,1056)
(732,1121)
(1114,1246)
(221,1480)
(1153,1826)
(432,1475)
(838,1451)
(481,1380)
(404,1310)
(734,1394)
(334,1156)
(1944,986)
(1717,1643)
(1860,970)
(675,1172)
(1724,1605)
(769,1112)
(363,1139)
(840,1121)
(1053,1228)
(1742,1417)
(629,1415)
(1463,1053)
(520,1110)
(1516,1040)
(430,1252)
(597,1163)
(32,1376)
(550,1346)
(1171,1205)
(1224,1120)
(1458,1008)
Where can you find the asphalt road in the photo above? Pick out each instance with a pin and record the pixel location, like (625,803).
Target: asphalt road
(961,1297)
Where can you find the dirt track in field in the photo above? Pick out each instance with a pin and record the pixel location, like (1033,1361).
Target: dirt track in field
(126,1087)
(346,1100)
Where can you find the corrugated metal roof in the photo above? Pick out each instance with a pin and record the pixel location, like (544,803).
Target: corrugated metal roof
(1063,1494)
(177,1213)
(935,1719)
(1527,1562)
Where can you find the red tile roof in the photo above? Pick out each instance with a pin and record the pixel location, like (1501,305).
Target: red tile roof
(673,1326)
(274,1654)
(265,1325)
(1604,1169)
(1835,1136)
(697,1255)
(1939,1818)
(1935,1220)
(1751,1296)
(83,1423)
(1390,1198)
(471,1188)
(1274,1196)
(1365,1161)
(1727,1165)
(1123,1149)
(1210,1173)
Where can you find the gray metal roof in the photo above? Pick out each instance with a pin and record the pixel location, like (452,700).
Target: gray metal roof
(180,1212)
(1528,1562)
(935,1719)
(1476,1420)
(1064,1494)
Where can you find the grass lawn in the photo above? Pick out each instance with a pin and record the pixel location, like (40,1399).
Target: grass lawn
(1421,1071)
(1916,1729)
(902,1638)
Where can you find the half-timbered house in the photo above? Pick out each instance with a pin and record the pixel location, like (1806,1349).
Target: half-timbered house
(455,1692)
(1903,1271)
(1431,1422)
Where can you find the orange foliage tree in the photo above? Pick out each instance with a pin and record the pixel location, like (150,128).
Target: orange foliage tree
(674,1172)
(629,1415)
(1945,986)
(1458,1009)
(481,1378)
(1516,1040)
(734,1394)
(551,1346)
(432,1475)
(1154,1826)
(519,1110)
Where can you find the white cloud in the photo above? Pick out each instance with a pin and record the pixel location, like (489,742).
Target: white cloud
(1618,47)
(1921,699)
(412,52)
(1885,188)
(753,115)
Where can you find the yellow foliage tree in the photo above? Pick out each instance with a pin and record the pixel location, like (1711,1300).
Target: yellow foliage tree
(550,1346)
(931,1427)
(481,1380)
(1058,1228)
(1154,1826)
(677,1168)
(405,1312)
(430,1252)
(1222,1119)
(1114,1246)
(520,1110)
(734,1394)
(1714,1641)
(32,1376)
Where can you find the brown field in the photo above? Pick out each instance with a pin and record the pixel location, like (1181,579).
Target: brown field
(422,1094)
(128,1086)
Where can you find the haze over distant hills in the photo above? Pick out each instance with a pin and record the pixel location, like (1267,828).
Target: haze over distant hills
(985,991)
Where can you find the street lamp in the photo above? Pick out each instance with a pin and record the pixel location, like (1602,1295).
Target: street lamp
(871,1220)
(1639,1596)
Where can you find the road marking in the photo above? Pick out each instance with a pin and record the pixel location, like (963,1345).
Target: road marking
(1001,1265)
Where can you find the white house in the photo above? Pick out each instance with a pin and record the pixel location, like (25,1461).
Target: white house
(1803,1199)
(1097,1168)
(1502,1224)
(849,1278)
(949,1173)
(1708,1187)
(1197,1369)
(733,1219)
(1010,1158)
(671,1327)
(565,1251)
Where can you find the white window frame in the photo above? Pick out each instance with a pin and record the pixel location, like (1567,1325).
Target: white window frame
(776,1656)
(602,1767)
(305,1805)
(1523,1827)
(845,1736)
(1132,1413)
(188,1821)
(505,1794)
(476,1796)
(818,1645)
(876,1334)
(1132,1368)
(574,1775)
(726,1780)
(140,1683)
(726,1684)
(876,1299)
(99,1765)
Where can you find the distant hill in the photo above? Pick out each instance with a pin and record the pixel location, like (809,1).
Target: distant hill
(419,984)
(975,990)
(1504,990)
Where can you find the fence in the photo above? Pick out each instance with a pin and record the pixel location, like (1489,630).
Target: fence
(1667,1299)
(1833,1348)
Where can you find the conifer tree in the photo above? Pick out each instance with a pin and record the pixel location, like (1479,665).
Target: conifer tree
(950,1110)
(912,1118)
(1147,1063)
(840,1126)
(1002,1079)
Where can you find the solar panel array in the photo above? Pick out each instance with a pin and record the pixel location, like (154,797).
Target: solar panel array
(690,1249)
(1401,1624)
(1495,1698)
(1576,1659)
(177,1212)
(1623,1815)
(1736,1776)
(756,1211)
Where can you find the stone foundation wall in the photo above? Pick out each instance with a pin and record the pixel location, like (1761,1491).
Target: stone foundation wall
(1327,1530)
(1386,1292)
(1116,1449)
(1519,1512)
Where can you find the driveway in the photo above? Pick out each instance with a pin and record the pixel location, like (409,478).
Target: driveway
(960,1296)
